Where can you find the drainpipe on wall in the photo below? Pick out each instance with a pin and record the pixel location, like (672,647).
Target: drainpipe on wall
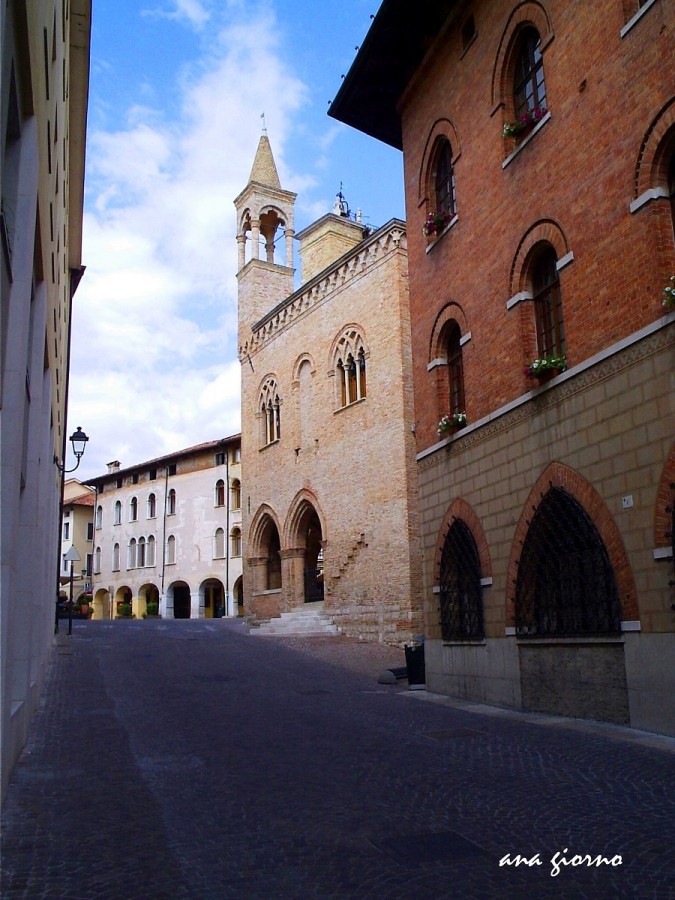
(166,502)
(227,531)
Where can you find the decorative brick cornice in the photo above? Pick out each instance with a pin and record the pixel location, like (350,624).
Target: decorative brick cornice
(387,240)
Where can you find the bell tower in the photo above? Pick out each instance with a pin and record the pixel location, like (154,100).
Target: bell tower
(264,241)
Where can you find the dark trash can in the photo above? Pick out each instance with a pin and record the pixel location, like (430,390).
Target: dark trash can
(414,660)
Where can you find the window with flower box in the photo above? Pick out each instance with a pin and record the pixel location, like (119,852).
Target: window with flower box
(548,304)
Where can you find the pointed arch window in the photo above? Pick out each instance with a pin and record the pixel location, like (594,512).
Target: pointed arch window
(566,584)
(117,515)
(529,87)
(548,303)
(171,550)
(171,503)
(152,506)
(350,368)
(219,493)
(270,411)
(461,593)
(235,542)
(236,494)
(116,558)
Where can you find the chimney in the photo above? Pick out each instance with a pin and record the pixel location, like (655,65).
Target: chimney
(113,466)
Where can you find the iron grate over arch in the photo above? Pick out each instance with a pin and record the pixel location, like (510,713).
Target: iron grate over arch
(565,585)
(461,593)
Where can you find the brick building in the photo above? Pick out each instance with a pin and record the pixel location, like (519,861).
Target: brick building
(167,531)
(539,144)
(328,454)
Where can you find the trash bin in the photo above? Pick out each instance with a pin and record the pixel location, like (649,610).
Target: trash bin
(414,660)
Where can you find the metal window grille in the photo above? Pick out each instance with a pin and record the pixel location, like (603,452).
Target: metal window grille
(460,588)
(566,584)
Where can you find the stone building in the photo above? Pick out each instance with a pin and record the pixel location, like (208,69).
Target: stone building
(168,532)
(539,158)
(44,83)
(330,508)
(77,530)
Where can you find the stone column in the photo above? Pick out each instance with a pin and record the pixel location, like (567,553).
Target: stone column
(196,608)
(255,238)
(241,250)
(288,234)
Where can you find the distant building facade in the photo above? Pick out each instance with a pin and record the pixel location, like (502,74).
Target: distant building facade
(44,82)
(539,154)
(168,532)
(77,530)
(330,500)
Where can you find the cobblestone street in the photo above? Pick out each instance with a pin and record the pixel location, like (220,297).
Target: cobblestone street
(189,759)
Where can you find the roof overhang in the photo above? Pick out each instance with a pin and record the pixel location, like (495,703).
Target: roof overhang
(398,40)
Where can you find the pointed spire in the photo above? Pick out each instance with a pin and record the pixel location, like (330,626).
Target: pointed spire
(264,169)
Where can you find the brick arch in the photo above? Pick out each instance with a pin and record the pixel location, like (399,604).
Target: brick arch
(527,13)
(305,502)
(451,311)
(263,516)
(545,231)
(460,509)
(559,475)
(651,165)
(442,128)
(350,326)
(300,360)
(665,498)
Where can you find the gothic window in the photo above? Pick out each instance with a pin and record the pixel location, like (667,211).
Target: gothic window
(152,506)
(350,368)
(171,503)
(236,494)
(117,518)
(548,304)
(219,544)
(133,509)
(171,550)
(529,89)
(566,585)
(270,410)
(461,594)
(219,494)
(116,558)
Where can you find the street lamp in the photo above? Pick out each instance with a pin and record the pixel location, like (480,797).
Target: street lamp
(79,441)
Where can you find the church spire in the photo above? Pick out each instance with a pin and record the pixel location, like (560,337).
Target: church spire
(264,169)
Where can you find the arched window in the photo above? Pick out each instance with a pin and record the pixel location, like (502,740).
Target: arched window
(270,410)
(141,552)
(99,516)
(548,303)
(461,594)
(171,503)
(131,554)
(116,558)
(133,509)
(236,494)
(97,560)
(457,402)
(219,493)
(150,551)
(444,179)
(350,368)
(219,544)
(566,585)
(235,542)
(171,550)
(117,518)
(152,506)
(529,89)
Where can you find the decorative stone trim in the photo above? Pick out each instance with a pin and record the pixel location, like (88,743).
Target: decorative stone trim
(632,625)
(518,298)
(564,261)
(435,363)
(465,339)
(486,582)
(663,552)
(636,18)
(652,194)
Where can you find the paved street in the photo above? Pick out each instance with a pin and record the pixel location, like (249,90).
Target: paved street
(189,759)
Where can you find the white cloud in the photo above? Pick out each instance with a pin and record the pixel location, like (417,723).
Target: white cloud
(191,12)
(154,364)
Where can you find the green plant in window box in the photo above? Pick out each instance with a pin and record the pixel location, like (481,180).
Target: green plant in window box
(546,365)
(524,122)
(668,301)
(435,222)
(451,423)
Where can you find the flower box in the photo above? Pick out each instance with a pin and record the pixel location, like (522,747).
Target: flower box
(451,423)
(546,367)
(524,123)
(435,222)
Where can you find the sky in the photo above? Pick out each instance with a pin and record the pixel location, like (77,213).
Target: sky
(177,91)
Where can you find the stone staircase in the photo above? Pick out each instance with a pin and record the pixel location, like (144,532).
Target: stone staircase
(306,621)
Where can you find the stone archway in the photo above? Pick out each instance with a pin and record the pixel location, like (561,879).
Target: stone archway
(179,600)
(148,596)
(238,597)
(102,604)
(305,540)
(212,598)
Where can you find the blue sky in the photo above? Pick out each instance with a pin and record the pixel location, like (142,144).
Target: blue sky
(176,95)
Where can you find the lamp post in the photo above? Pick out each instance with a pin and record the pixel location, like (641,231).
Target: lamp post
(79,443)
(72,556)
